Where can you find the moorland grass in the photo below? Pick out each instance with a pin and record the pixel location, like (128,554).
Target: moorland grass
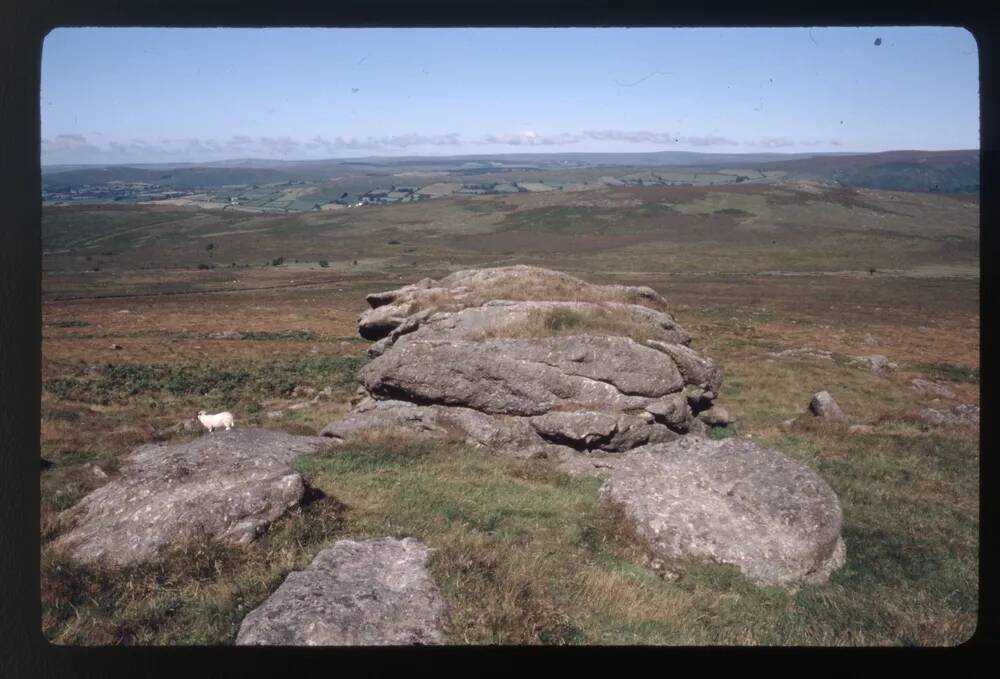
(527,554)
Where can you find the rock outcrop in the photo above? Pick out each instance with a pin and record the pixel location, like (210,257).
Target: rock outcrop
(530,362)
(227,486)
(877,363)
(963,414)
(368,593)
(475,287)
(935,389)
(733,502)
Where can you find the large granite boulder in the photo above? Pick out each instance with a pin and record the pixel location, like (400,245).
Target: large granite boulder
(732,502)
(227,486)
(531,362)
(367,593)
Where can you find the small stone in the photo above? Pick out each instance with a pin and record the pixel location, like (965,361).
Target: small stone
(716,416)
(875,362)
(823,405)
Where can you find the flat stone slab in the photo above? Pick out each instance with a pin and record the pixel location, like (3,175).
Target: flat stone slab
(357,593)
(227,486)
(733,502)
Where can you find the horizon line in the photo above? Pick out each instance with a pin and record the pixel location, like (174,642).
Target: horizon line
(521,153)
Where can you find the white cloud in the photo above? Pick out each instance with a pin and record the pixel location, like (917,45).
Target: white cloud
(76,148)
(709,141)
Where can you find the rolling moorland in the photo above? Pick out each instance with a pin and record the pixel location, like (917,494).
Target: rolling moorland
(779,278)
(291,186)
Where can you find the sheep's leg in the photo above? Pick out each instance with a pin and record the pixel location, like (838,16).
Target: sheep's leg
(211,429)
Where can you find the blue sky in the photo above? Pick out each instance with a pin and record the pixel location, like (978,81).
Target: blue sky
(112,95)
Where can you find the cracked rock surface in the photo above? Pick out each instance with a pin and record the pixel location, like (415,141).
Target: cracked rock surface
(227,486)
(357,593)
(732,502)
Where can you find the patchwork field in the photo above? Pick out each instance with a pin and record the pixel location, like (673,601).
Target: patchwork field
(780,283)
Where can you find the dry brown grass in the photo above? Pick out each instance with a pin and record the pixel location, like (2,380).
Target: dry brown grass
(629,597)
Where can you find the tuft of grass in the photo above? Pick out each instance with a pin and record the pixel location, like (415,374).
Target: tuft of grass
(727,432)
(554,322)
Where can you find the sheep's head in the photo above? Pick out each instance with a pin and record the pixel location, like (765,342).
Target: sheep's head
(202,413)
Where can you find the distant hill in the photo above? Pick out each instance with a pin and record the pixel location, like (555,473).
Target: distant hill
(178,178)
(946,171)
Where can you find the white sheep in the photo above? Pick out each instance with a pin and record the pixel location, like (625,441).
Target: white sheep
(224,419)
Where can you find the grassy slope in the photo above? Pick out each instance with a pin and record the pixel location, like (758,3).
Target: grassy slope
(527,555)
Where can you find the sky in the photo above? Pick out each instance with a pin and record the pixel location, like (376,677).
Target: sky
(144,95)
